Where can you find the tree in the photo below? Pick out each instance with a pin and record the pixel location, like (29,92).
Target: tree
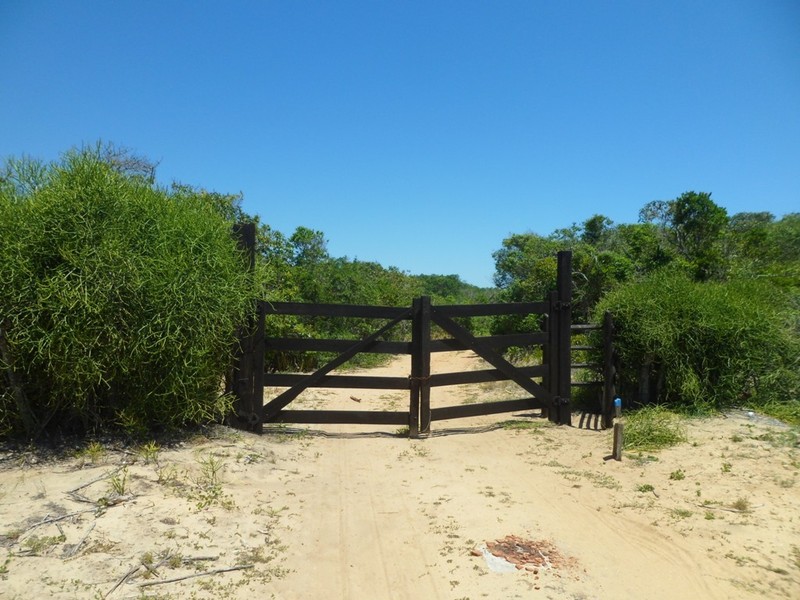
(596,230)
(309,247)
(693,224)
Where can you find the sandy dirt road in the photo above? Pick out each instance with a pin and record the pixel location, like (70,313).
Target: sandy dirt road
(363,512)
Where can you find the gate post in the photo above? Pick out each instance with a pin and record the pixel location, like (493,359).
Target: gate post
(564,337)
(247,376)
(420,403)
(550,355)
(609,371)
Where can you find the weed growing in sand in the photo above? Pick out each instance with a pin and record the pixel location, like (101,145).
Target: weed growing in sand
(681,513)
(599,480)
(4,567)
(94,452)
(677,475)
(37,545)
(167,475)
(645,487)
(415,451)
(209,484)
(741,504)
(726,467)
(514,425)
(653,428)
(643,459)
(149,452)
(118,483)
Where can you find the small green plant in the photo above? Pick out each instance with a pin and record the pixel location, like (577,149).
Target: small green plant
(677,475)
(514,425)
(38,545)
(654,428)
(736,438)
(118,482)
(726,467)
(149,452)
(209,484)
(709,516)
(167,475)
(645,487)
(94,452)
(681,513)
(4,567)
(741,504)
(210,469)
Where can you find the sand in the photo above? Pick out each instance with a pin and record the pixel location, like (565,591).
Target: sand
(363,512)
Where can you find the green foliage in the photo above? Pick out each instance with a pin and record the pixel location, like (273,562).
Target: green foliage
(708,345)
(118,299)
(653,428)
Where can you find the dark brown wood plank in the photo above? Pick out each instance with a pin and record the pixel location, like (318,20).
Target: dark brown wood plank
(284,344)
(488,310)
(357,417)
(564,336)
(364,382)
(335,310)
(487,408)
(483,376)
(498,342)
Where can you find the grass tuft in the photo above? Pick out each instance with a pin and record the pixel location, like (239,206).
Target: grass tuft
(654,428)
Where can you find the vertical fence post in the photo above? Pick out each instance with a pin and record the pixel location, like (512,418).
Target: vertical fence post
(248,366)
(425,366)
(420,404)
(551,355)
(609,371)
(414,379)
(564,357)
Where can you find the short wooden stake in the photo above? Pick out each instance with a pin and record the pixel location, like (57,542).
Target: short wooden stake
(618,437)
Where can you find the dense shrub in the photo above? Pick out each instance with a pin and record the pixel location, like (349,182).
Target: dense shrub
(712,345)
(118,299)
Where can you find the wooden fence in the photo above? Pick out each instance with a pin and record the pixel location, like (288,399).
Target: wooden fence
(546,386)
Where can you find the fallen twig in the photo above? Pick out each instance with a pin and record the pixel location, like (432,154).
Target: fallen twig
(733,510)
(122,580)
(77,546)
(103,476)
(48,519)
(203,574)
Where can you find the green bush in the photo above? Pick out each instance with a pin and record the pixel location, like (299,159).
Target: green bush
(705,345)
(118,299)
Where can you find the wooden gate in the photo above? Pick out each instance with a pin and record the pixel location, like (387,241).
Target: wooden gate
(546,386)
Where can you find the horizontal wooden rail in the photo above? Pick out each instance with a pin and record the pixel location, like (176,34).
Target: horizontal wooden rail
(484,376)
(498,342)
(490,310)
(365,382)
(361,417)
(333,310)
(274,344)
(485,408)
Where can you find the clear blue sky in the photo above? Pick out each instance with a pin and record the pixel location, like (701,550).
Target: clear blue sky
(420,134)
